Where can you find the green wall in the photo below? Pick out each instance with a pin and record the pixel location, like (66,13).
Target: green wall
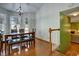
(65,37)
(75,25)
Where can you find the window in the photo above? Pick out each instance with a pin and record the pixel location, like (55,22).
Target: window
(18,27)
(26,26)
(2,23)
(13,24)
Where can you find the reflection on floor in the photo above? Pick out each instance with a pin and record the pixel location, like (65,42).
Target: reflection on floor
(41,49)
(73,50)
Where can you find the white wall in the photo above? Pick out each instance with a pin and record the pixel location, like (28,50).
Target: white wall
(48,17)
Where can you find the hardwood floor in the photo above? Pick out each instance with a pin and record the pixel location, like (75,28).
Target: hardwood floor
(42,48)
(73,50)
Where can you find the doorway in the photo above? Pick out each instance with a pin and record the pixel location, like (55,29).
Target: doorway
(69,32)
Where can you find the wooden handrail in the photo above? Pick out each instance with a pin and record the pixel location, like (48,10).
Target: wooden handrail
(54,29)
(50,30)
(50,40)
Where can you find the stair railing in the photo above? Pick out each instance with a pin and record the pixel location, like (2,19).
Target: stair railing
(50,39)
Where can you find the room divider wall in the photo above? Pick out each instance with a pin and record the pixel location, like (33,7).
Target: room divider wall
(65,38)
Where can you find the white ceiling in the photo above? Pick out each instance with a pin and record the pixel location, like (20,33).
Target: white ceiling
(71,11)
(26,7)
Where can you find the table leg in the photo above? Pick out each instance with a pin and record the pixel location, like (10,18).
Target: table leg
(8,49)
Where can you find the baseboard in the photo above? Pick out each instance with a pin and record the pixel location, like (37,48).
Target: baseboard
(42,39)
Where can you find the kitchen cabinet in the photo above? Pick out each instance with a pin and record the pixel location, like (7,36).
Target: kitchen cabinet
(75,19)
(75,37)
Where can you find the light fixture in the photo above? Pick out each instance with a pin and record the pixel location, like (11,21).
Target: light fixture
(74,14)
(19,10)
(20,13)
